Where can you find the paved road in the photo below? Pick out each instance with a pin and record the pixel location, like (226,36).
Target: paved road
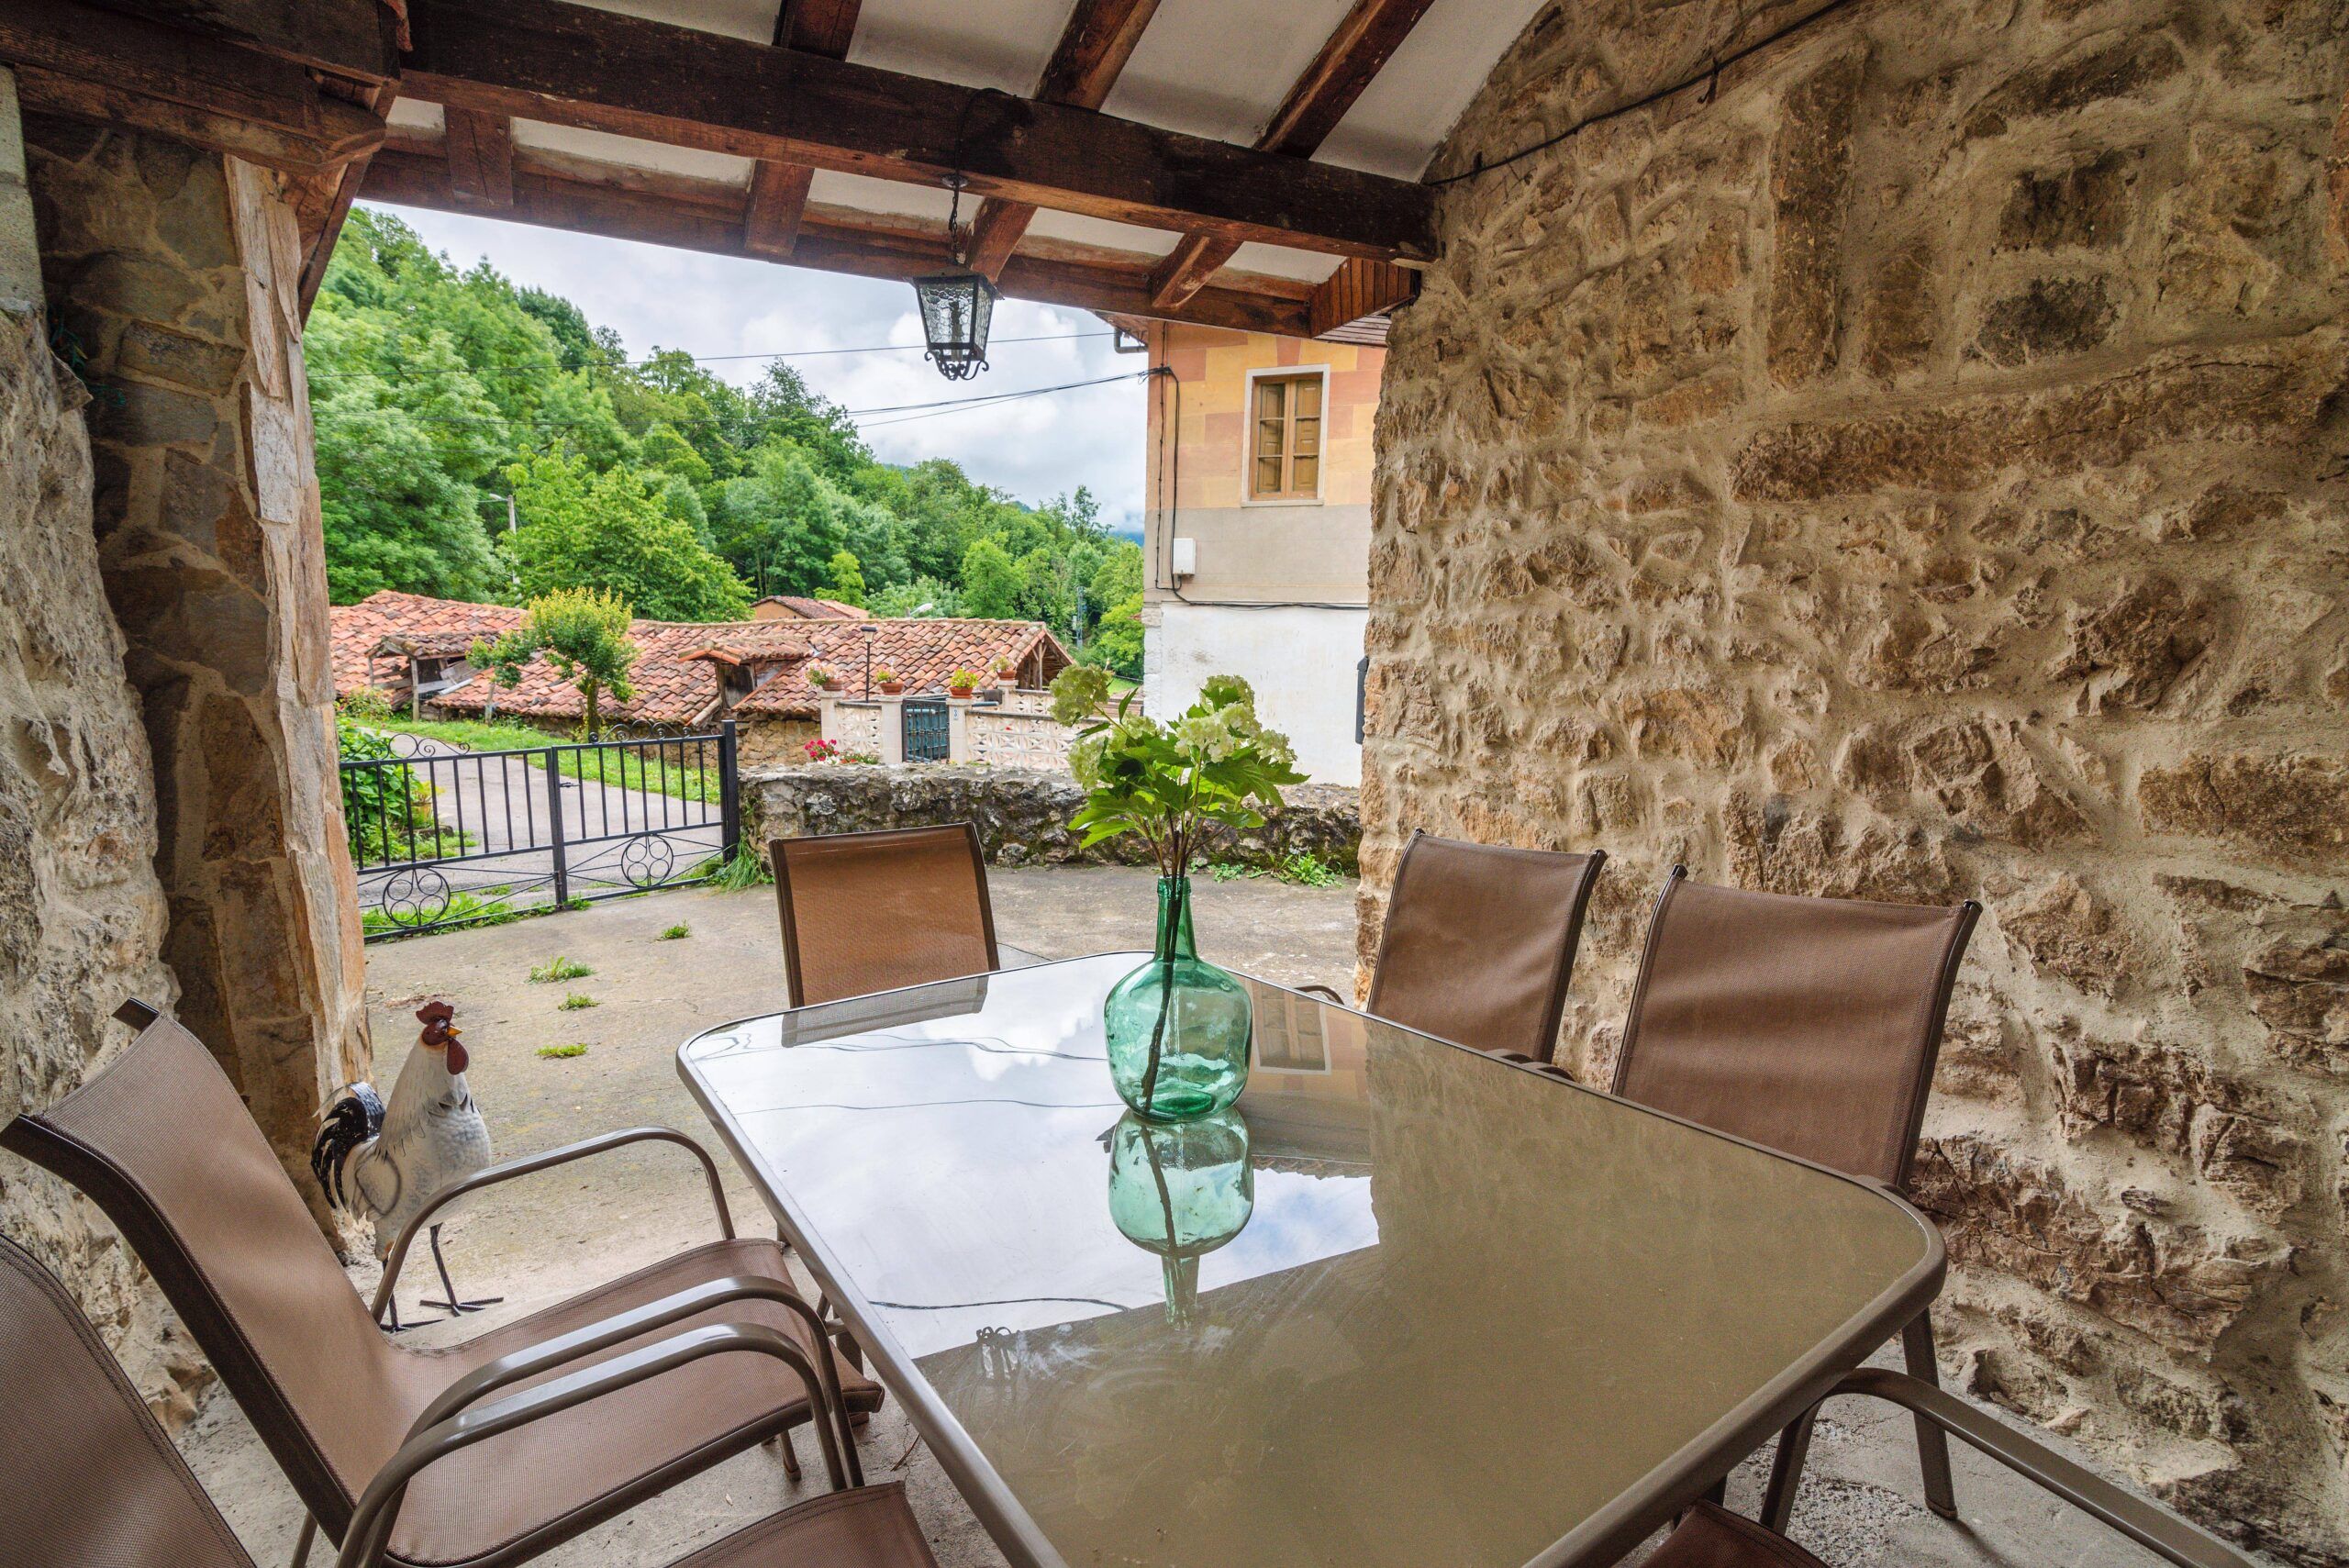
(615,836)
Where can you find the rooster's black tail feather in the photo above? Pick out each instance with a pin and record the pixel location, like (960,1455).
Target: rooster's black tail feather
(354,1116)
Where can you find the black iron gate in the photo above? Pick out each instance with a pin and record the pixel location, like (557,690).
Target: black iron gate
(925,739)
(445,837)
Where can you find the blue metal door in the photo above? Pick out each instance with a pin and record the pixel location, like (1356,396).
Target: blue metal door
(925,739)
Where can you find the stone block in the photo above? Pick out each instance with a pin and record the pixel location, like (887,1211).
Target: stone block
(178,359)
(2292,809)
(2049,316)
(1810,172)
(2087,206)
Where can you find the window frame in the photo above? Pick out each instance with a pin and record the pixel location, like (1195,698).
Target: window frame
(1247,497)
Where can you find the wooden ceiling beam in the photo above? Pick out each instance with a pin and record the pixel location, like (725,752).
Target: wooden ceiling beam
(324,202)
(567,64)
(481,157)
(1094,47)
(778,189)
(699,215)
(1355,51)
(348,37)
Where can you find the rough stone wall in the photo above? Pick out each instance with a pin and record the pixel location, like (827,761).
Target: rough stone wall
(84,913)
(1022,814)
(175,271)
(760,742)
(1911,466)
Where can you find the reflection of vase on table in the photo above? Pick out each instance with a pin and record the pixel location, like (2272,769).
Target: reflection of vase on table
(1181,1191)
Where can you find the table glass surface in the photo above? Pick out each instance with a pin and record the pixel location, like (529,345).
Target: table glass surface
(1404,1304)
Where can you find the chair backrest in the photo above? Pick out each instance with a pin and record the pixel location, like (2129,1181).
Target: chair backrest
(866,912)
(1479,942)
(87,1477)
(160,1141)
(1809,1025)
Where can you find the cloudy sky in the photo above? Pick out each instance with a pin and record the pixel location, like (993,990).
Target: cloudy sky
(710,305)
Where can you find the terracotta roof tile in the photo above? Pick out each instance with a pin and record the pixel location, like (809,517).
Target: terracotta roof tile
(791,606)
(677,670)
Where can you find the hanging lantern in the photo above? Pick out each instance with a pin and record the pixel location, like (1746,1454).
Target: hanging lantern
(957,306)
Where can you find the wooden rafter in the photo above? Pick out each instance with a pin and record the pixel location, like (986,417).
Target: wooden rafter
(1355,52)
(323,202)
(568,64)
(1094,47)
(700,214)
(481,157)
(778,196)
(346,38)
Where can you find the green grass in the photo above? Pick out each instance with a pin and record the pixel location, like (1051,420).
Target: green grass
(463,906)
(561,1052)
(576,1001)
(560,968)
(748,868)
(674,932)
(1303,869)
(652,768)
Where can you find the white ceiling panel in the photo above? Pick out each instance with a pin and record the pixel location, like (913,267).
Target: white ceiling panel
(1411,104)
(1078,229)
(1279,260)
(1219,68)
(605,148)
(979,43)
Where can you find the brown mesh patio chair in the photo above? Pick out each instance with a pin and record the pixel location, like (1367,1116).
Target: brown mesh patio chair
(866,912)
(87,1478)
(1807,1024)
(1479,945)
(1712,1536)
(160,1139)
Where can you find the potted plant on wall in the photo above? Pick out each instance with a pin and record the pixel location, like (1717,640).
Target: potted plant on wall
(1177,1027)
(1005,670)
(822,678)
(962,684)
(889,680)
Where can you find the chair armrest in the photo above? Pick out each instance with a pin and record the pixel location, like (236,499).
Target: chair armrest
(548,1354)
(2156,1529)
(523,1165)
(371,1522)
(1325,991)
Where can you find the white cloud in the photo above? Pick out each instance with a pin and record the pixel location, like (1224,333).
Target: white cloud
(711,306)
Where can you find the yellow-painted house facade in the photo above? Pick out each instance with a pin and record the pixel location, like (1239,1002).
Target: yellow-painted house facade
(1257,527)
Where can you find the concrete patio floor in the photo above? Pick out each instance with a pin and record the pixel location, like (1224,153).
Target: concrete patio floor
(546,1237)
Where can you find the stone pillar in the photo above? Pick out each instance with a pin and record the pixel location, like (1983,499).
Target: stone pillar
(958,729)
(890,716)
(175,273)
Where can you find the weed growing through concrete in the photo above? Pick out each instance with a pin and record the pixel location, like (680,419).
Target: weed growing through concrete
(561,1052)
(560,968)
(576,1001)
(675,931)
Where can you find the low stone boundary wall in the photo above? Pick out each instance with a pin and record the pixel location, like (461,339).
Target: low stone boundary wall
(1022,815)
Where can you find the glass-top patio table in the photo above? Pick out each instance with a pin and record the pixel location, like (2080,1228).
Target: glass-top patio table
(1404,1304)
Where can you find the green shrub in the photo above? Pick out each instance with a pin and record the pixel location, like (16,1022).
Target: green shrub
(560,968)
(675,931)
(561,1052)
(576,1001)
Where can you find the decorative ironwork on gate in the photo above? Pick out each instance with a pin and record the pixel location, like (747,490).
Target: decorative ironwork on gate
(444,837)
(926,740)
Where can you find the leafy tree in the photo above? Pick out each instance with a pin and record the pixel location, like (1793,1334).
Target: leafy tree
(583,633)
(991,581)
(584,529)
(847,579)
(1117,641)
(394,517)
(923,598)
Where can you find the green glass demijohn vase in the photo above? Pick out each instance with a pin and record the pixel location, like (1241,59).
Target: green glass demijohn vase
(1177,1027)
(1180,1192)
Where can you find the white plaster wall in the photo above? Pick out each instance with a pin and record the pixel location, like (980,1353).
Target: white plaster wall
(1301,663)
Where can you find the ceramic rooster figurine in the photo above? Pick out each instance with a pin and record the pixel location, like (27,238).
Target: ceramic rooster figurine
(385,1163)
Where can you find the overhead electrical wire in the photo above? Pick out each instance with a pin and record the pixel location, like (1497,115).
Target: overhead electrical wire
(708,359)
